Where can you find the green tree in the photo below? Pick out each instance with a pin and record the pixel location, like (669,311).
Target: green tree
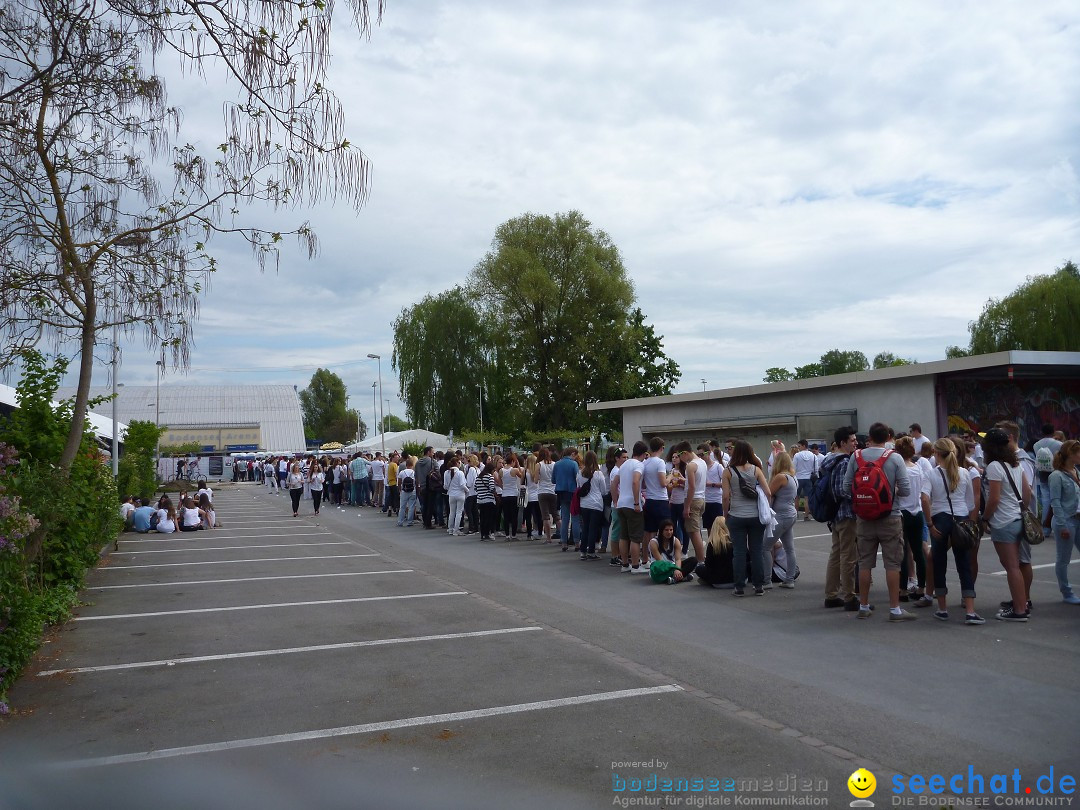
(136,474)
(395,424)
(92,234)
(808,371)
(1042,314)
(841,362)
(442,352)
(888,359)
(776,374)
(324,406)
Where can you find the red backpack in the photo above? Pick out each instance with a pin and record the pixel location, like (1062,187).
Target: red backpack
(871,495)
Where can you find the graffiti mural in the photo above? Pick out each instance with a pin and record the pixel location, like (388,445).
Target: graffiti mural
(978,404)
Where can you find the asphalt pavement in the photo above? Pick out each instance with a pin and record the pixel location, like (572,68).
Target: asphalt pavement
(341,661)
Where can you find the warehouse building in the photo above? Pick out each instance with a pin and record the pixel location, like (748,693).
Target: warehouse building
(1030,388)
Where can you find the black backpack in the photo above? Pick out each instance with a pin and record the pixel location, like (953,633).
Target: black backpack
(434,480)
(408,483)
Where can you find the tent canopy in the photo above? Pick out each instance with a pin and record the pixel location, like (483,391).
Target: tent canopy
(395,440)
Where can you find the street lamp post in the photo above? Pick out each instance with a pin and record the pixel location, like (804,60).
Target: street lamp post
(703,385)
(383,431)
(387,403)
(375,409)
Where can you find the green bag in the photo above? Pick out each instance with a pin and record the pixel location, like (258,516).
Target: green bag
(660,570)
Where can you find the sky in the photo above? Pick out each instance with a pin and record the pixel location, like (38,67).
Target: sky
(781,179)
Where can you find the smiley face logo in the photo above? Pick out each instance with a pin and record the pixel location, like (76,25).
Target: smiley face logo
(862,783)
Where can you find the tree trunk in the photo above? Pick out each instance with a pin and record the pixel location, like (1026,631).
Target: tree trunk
(86,369)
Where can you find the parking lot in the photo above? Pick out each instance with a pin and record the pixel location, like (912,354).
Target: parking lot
(342,660)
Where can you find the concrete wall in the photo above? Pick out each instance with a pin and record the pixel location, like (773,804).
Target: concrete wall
(896,402)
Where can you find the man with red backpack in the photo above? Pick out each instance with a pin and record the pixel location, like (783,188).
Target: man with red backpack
(878,478)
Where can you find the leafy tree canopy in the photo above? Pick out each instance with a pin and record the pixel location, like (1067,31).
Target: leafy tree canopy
(326,416)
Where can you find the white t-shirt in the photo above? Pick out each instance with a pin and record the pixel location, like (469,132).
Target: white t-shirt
(714,477)
(920,484)
(207,492)
(471,475)
(701,470)
(975,474)
(191,517)
(532,488)
(613,477)
(378,470)
(317,480)
(1008,509)
(919,442)
(595,498)
(406,473)
(652,474)
(804,465)
(126,509)
(164,525)
(627,471)
(939,497)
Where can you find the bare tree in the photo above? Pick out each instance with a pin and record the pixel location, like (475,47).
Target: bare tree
(90,238)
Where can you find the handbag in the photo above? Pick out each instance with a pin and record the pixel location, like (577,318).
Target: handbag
(1030,529)
(964,533)
(747,488)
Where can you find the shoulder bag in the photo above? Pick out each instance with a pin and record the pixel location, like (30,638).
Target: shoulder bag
(964,533)
(1030,530)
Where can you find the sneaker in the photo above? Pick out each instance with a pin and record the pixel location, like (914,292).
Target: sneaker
(669,581)
(738,591)
(767,586)
(592,556)
(788,585)
(759,591)
(1070,599)
(902,616)
(582,557)
(625,569)
(616,561)
(641,569)
(1007,615)
(864,612)
(1008,605)
(688,578)
(923,601)
(834,601)
(851,605)
(974,618)
(941,615)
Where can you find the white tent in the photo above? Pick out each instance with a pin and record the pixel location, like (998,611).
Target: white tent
(394,440)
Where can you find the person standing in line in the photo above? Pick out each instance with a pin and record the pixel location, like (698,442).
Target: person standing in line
(424,465)
(714,487)
(378,478)
(694,508)
(512,480)
(1045,449)
(654,489)
(742,516)
(456,488)
(546,495)
(912,522)
(805,465)
(882,533)
(472,472)
(915,431)
(532,497)
(591,478)
(393,494)
(784,488)
(615,529)
(629,504)
(1009,495)
(565,475)
(485,501)
(1064,489)
(407,485)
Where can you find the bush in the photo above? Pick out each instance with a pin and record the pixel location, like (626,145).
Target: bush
(136,474)
(413,449)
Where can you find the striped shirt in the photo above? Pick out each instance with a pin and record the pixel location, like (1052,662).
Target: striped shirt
(485,489)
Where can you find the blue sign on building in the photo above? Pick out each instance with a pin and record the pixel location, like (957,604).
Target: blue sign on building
(241,448)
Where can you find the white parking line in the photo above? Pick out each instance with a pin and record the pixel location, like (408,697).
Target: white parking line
(167,538)
(264,607)
(232,562)
(234,548)
(244,579)
(348,645)
(367,728)
(1045,565)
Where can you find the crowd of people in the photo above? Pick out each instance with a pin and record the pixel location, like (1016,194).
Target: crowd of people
(194,512)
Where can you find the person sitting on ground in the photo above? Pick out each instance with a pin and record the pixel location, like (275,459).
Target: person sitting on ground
(166,516)
(140,518)
(126,510)
(191,516)
(204,489)
(717,570)
(209,515)
(668,564)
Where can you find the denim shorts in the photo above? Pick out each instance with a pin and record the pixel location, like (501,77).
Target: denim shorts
(1013,533)
(656,511)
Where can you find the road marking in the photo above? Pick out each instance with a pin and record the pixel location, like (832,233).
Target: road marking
(165,538)
(1046,565)
(368,728)
(234,548)
(264,607)
(243,579)
(348,645)
(232,562)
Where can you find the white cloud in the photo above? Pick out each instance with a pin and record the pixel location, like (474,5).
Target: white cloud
(764,168)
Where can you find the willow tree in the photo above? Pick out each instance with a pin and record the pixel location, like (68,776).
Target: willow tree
(92,236)
(1042,314)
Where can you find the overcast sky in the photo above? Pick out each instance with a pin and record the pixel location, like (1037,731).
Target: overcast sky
(781,178)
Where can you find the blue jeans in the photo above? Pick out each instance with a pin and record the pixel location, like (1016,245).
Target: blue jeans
(939,548)
(1042,493)
(592,520)
(1064,549)
(747,534)
(568,527)
(407,513)
(676,511)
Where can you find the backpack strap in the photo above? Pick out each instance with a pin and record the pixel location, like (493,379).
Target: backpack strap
(948,497)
